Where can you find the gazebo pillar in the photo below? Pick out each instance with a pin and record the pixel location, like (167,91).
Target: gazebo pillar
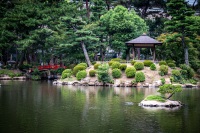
(133,52)
(138,53)
(154,53)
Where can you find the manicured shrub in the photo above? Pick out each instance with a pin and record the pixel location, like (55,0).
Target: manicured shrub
(187,72)
(92,73)
(71,66)
(163,70)
(78,68)
(123,61)
(11,74)
(147,63)
(103,74)
(176,74)
(122,67)
(115,65)
(116,59)
(81,74)
(162,81)
(66,73)
(153,67)
(96,65)
(110,63)
(94,62)
(130,72)
(139,65)
(162,63)
(139,77)
(133,62)
(170,61)
(83,64)
(116,73)
(172,65)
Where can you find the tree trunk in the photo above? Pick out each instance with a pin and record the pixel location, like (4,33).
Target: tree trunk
(185,49)
(86,54)
(88,10)
(170,95)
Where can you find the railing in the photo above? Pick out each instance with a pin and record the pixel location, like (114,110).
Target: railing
(54,67)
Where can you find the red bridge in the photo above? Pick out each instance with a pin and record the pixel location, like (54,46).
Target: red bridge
(47,67)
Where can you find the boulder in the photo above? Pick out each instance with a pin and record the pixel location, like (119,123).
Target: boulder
(152,103)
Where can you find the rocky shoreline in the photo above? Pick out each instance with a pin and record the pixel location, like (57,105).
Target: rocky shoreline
(87,82)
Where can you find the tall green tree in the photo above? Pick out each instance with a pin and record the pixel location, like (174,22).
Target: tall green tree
(180,23)
(122,25)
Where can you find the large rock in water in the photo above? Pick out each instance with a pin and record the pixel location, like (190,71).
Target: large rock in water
(152,103)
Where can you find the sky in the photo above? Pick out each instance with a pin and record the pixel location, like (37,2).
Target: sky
(190,1)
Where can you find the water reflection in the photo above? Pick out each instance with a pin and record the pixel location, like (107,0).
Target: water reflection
(28,106)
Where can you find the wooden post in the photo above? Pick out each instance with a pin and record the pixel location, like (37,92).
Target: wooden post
(154,53)
(133,52)
(138,50)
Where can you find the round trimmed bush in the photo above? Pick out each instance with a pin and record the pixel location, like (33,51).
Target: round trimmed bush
(162,63)
(66,73)
(123,67)
(115,65)
(116,59)
(130,72)
(139,77)
(139,65)
(176,73)
(92,73)
(147,63)
(81,74)
(110,63)
(83,64)
(153,67)
(78,68)
(163,70)
(172,65)
(96,65)
(133,62)
(116,73)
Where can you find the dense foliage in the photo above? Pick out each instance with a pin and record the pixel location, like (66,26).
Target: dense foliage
(103,73)
(163,70)
(92,73)
(169,89)
(69,32)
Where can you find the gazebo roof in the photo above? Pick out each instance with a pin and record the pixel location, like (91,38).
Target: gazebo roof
(143,39)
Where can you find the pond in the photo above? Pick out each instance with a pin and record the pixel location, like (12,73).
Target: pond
(40,107)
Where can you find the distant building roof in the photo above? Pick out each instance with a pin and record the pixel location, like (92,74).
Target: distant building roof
(143,39)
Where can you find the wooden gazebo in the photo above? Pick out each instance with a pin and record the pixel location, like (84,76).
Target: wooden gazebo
(143,41)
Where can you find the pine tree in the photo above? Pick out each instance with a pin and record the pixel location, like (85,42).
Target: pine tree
(180,23)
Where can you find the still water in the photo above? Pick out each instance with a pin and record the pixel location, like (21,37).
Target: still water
(40,107)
